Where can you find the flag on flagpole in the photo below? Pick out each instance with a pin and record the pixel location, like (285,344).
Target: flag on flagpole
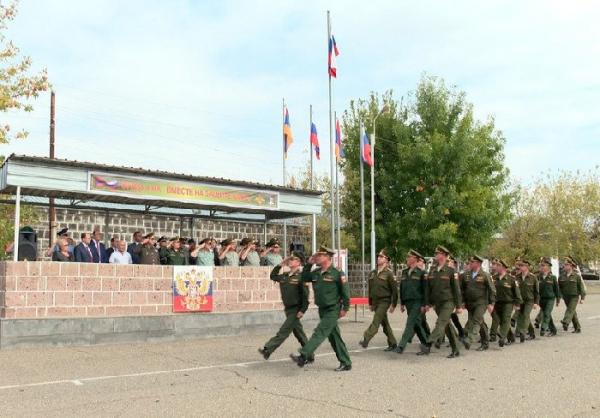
(339,148)
(365,147)
(314,140)
(287,132)
(333,52)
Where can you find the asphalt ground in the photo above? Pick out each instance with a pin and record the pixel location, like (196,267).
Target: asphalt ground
(225,377)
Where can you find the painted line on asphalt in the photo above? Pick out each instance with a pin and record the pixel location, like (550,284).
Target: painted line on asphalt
(593,317)
(82,381)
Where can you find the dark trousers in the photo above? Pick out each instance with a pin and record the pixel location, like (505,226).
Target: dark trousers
(291,325)
(327,328)
(414,324)
(380,317)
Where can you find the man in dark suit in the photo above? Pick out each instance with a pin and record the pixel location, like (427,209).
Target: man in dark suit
(83,252)
(135,247)
(98,248)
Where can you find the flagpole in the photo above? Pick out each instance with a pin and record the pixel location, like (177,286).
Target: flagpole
(284,144)
(362,207)
(337,198)
(331,144)
(373,249)
(312,186)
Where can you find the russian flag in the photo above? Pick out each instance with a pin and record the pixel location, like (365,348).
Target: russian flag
(365,148)
(314,140)
(287,132)
(333,52)
(339,149)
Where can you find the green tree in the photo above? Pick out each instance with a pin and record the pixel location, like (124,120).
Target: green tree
(439,174)
(17,84)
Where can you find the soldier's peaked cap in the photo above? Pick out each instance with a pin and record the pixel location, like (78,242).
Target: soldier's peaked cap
(325,250)
(546,260)
(477,258)
(442,249)
(383,253)
(415,254)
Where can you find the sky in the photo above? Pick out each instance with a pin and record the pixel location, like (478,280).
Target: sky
(196,87)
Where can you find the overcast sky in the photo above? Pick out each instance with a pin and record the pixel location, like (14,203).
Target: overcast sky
(196,86)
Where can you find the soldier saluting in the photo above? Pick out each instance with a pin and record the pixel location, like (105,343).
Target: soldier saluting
(332,296)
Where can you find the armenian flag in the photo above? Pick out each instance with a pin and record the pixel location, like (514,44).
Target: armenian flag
(314,140)
(288,138)
(339,148)
(365,148)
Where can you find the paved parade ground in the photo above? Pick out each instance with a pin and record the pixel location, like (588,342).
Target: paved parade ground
(548,377)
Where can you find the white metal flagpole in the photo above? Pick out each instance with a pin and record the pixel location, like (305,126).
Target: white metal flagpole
(312,185)
(337,200)
(284,145)
(373,249)
(362,207)
(332,146)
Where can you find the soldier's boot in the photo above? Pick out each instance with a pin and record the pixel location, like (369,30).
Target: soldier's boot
(484,346)
(399,349)
(542,332)
(552,333)
(264,352)
(453,354)
(493,338)
(425,349)
(467,343)
(522,337)
(343,368)
(391,347)
(565,325)
(300,360)
(363,343)
(531,337)
(536,323)
(577,331)
(501,342)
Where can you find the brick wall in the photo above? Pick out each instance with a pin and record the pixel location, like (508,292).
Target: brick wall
(42,289)
(124,224)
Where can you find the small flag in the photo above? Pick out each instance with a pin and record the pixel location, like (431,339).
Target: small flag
(365,148)
(314,140)
(287,132)
(333,52)
(339,148)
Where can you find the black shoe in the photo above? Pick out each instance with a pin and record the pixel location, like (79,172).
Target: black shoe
(467,344)
(483,347)
(363,343)
(542,333)
(511,339)
(509,342)
(399,350)
(492,338)
(577,331)
(552,334)
(437,344)
(501,342)
(425,350)
(344,368)
(453,354)
(263,351)
(310,360)
(300,360)
(390,348)
(512,322)
(531,337)
(537,324)
(522,338)
(565,326)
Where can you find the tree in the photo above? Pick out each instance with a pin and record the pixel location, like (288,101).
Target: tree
(17,84)
(557,216)
(439,174)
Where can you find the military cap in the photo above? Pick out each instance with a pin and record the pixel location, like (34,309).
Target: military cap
(191,241)
(413,253)
(183,240)
(524,261)
(246,241)
(442,249)
(383,253)
(162,239)
(325,250)
(273,242)
(451,257)
(62,232)
(149,236)
(205,240)
(502,263)
(546,260)
(299,255)
(226,242)
(174,239)
(570,260)
(477,258)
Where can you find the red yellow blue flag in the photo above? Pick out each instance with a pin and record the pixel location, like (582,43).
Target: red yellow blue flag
(288,138)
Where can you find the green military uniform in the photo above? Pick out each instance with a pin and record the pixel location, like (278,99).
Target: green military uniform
(231,259)
(162,254)
(508,296)
(149,254)
(294,295)
(495,319)
(252,259)
(412,297)
(332,294)
(530,293)
(443,293)
(572,288)
(176,258)
(549,295)
(478,292)
(271,259)
(205,258)
(383,293)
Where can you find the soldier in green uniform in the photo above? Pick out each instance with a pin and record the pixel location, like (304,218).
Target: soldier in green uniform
(454,317)
(147,251)
(271,255)
(479,295)
(549,295)
(294,295)
(175,254)
(228,256)
(495,318)
(413,281)
(423,266)
(332,296)
(163,250)
(573,292)
(203,253)
(383,297)
(248,254)
(530,293)
(508,296)
(443,293)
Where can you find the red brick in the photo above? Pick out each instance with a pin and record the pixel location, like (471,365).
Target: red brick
(259,296)
(96,311)
(265,284)
(56,283)
(69,269)
(155,298)
(106,270)
(164,309)
(110,284)
(273,295)
(74,283)
(50,268)
(28,283)
(221,284)
(262,272)
(63,298)
(167,272)
(246,272)
(219,297)
(251,307)
(163,284)
(10,283)
(26,313)
(231,296)
(251,284)
(267,306)
(101,298)
(122,310)
(14,299)
(91,283)
(16,268)
(34,268)
(148,310)
(41,312)
(120,298)
(154,271)
(66,312)
(138,298)
(9,312)
(40,298)
(83,298)
(218,272)
(238,284)
(232,272)
(124,270)
(89,269)
(141,270)
(245,296)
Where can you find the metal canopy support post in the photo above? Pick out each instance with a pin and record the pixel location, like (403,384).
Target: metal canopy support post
(106,223)
(17,224)
(265,227)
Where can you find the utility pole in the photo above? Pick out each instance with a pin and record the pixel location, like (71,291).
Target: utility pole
(51,209)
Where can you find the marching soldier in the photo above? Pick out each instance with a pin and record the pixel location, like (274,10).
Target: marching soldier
(413,281)
(549,295)
(508,296)
(530,293)
(332,296)
(573,292)
(495,319)
(248,254)
(454,317)
(383,297)
(294,295)
(227,255)
(442,293)
(271,255)
(479,295)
